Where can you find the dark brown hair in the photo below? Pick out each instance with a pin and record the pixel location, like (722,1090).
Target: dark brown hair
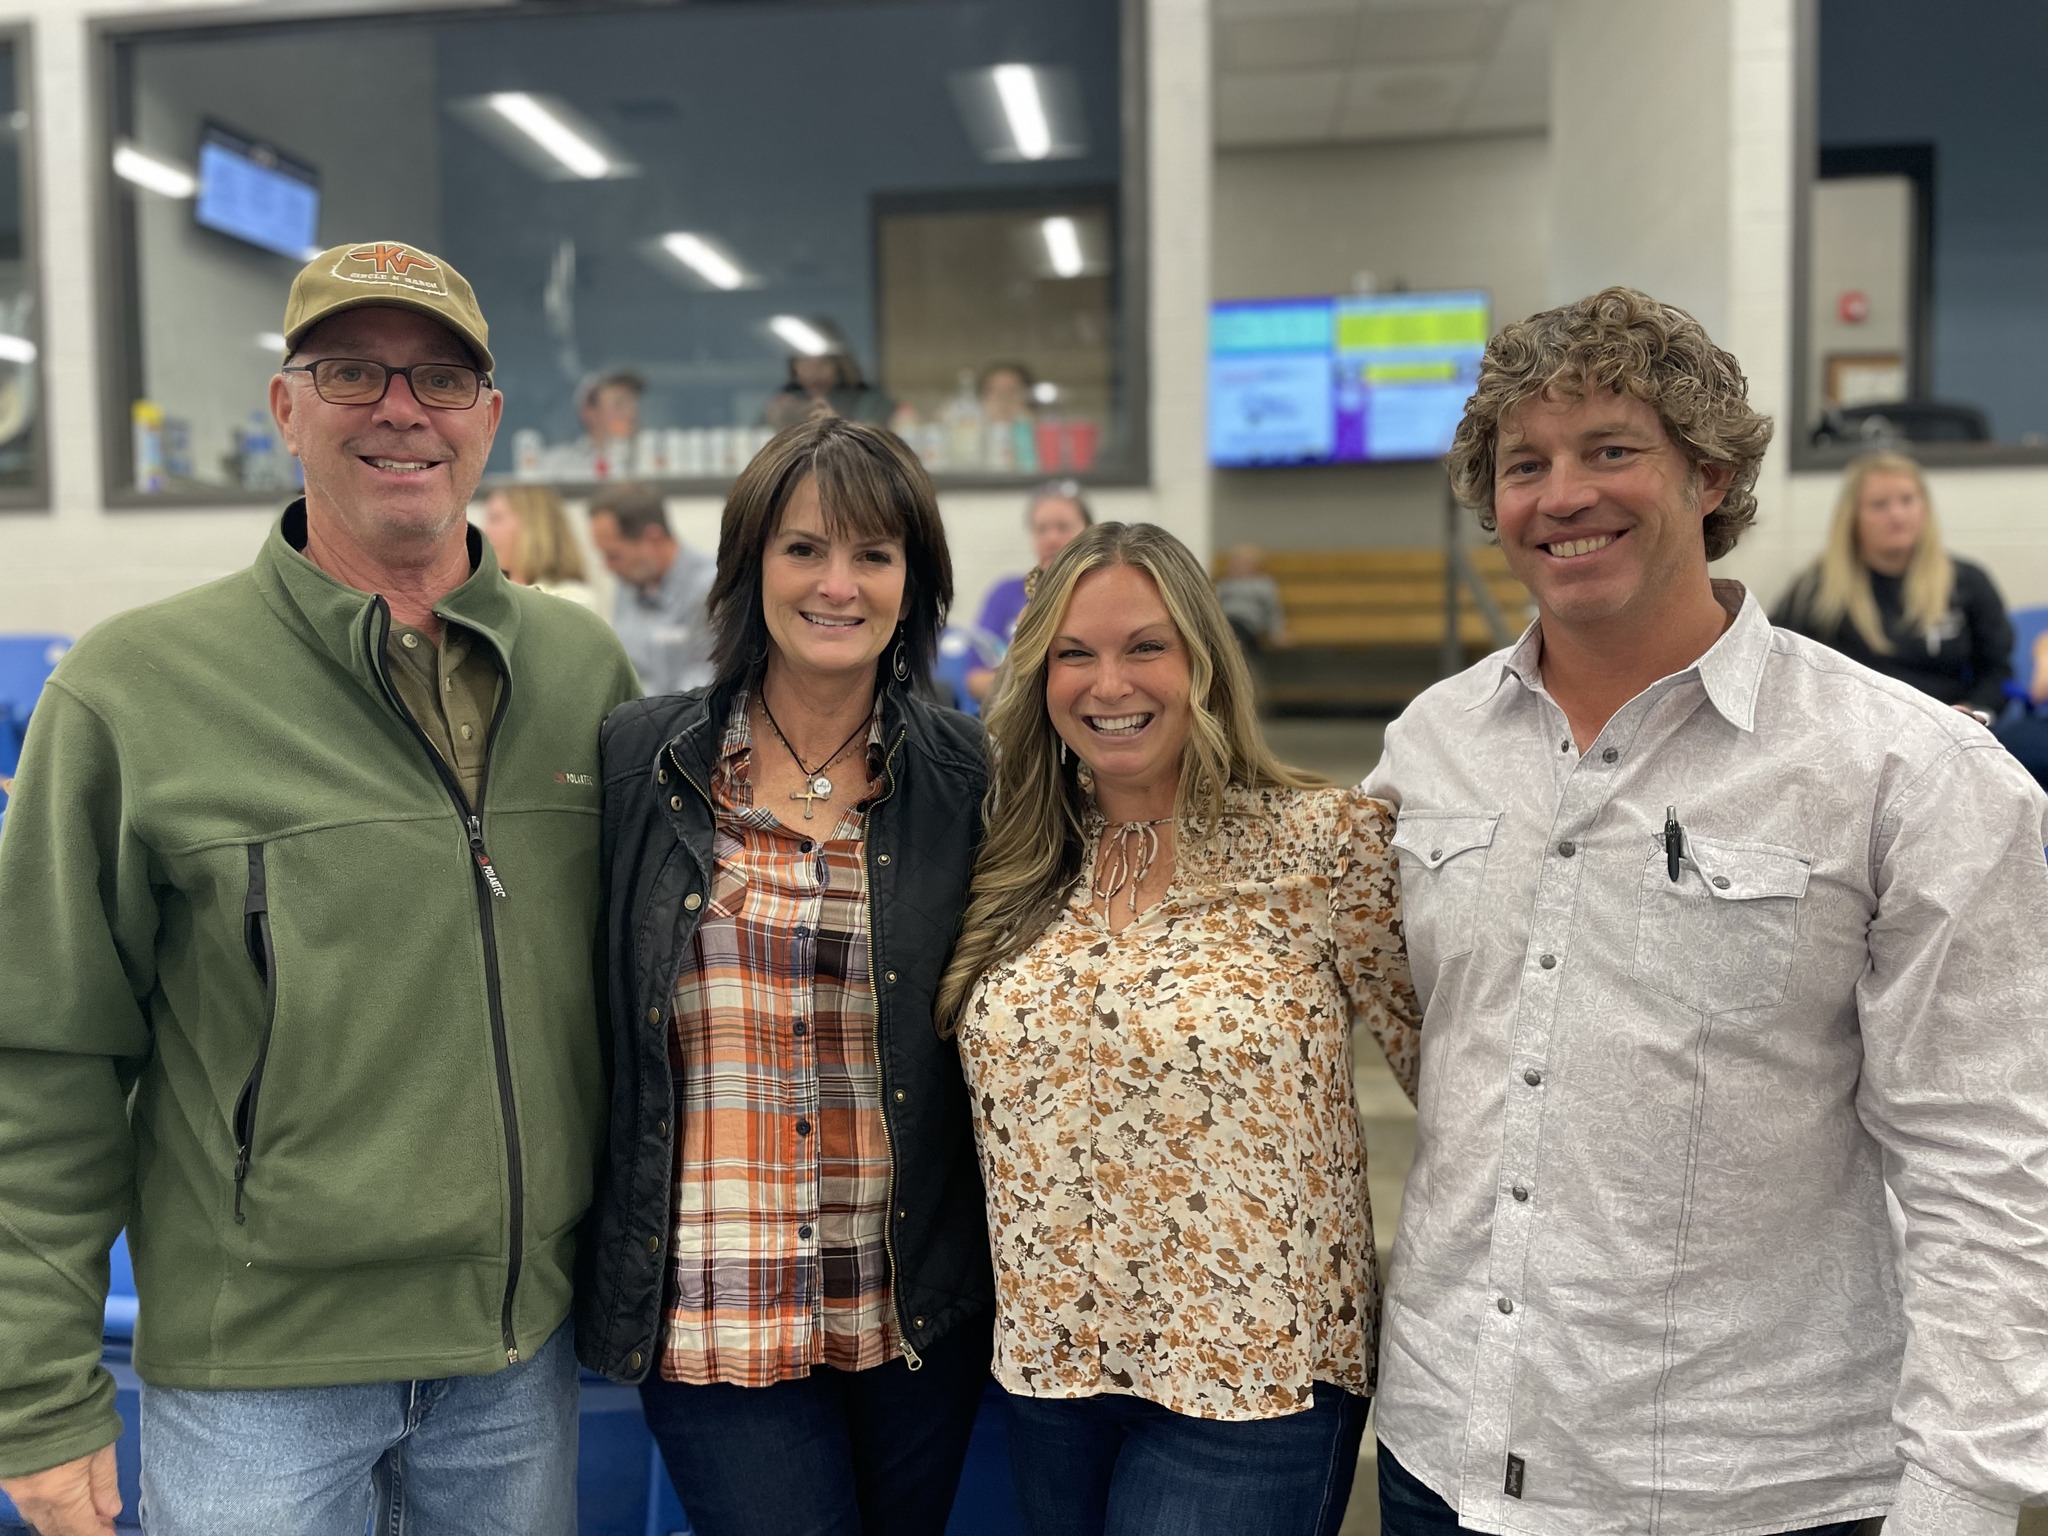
(1627,343)
(869,485)
(635,508)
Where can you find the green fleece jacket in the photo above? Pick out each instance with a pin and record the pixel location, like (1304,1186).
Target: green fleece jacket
(269,998)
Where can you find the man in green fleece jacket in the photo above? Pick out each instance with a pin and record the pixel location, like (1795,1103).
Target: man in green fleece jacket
(297,983)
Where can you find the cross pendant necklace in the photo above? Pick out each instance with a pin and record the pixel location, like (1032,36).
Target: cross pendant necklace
(816,786)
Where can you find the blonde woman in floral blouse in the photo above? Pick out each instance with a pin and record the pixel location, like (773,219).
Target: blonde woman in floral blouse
(1169,939)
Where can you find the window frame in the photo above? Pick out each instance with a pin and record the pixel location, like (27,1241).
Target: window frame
(1806,172)
(116,256)
(35,496)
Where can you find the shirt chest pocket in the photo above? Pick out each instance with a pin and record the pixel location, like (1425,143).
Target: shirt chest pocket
(1720,937)
(1443,866)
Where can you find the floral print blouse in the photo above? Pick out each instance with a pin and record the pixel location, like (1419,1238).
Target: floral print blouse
(1174,1164)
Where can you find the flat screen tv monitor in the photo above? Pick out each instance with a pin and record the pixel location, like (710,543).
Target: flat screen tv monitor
(256,193)
(1353,379)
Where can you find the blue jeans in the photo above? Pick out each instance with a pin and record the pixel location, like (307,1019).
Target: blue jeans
(1408,1508)
(837,1453)
(1120,1466)
(463,1456)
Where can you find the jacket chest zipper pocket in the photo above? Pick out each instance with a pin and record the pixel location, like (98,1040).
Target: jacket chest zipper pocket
(263,955)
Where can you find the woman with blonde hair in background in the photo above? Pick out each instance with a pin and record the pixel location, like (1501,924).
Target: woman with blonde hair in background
(1885,593)
(1169,938)
(529,529)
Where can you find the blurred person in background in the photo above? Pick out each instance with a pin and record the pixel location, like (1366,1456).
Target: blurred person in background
(659,608)
(828,384)
(1885,593)
(529,531)
(1251,600)
(2023,728)
(789,853)
(1171,939)
(609,406)
(1004,393)
(297,983)
(1055,514)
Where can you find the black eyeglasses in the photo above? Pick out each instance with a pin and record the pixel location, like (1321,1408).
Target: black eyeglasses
(358,381)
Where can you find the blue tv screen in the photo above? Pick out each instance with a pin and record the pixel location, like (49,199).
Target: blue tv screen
(1352,379)
(254,193)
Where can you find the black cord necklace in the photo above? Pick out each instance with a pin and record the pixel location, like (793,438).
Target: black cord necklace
(816,786)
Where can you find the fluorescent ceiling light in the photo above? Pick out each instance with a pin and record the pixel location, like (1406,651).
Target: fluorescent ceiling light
(153,175)
(568,148)
(272,341)
(801,335)
(16,349)
(704,259)
(1024,109)
(1062,245)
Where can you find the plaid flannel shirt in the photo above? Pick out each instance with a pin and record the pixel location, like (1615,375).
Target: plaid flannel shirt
(778,1260)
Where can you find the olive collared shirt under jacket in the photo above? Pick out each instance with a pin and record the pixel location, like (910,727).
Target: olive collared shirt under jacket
(451,692)
(271,1000)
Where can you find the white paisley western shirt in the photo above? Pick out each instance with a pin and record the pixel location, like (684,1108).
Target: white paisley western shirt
(1644,1280)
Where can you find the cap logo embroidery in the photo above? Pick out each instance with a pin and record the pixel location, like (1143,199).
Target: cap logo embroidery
(397,265)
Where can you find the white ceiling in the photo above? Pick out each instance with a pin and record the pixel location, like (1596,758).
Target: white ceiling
(1341,71)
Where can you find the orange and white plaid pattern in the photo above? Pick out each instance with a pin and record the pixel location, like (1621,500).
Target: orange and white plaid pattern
(778,1260)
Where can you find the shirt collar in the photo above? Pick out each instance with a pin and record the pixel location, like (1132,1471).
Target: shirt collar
(1731,671)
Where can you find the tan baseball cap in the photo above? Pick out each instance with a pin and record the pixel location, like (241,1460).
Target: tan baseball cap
(386,272)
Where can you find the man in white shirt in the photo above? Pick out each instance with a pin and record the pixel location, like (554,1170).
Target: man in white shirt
(1717,932)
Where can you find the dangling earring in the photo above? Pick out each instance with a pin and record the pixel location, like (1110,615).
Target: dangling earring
(901,665)
(1063,753)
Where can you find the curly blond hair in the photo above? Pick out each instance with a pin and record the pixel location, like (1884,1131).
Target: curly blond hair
(1629,343)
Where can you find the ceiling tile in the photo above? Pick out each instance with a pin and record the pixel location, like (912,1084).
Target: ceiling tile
(1417,34)
(1277,107)
(1284,42)
(1404,101)
(1513,89)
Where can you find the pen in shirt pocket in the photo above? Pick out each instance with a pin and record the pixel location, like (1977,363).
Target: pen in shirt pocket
(1674,841)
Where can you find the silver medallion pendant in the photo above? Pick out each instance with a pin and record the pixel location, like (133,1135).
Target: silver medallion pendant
(821,787)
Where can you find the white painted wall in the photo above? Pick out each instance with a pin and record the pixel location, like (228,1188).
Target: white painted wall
(65,569)
(1639,127)
(1447,213)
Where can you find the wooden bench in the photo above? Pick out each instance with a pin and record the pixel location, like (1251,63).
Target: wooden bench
(1365,627)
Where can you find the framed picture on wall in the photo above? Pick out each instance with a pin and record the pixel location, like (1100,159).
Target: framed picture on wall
(1864,378)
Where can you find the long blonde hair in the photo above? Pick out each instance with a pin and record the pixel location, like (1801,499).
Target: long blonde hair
(1037,808)
(543,550)
(1837,587)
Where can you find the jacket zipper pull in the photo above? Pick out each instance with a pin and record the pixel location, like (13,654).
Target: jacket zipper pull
(911,1358)
(483,859)
(241,1178)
